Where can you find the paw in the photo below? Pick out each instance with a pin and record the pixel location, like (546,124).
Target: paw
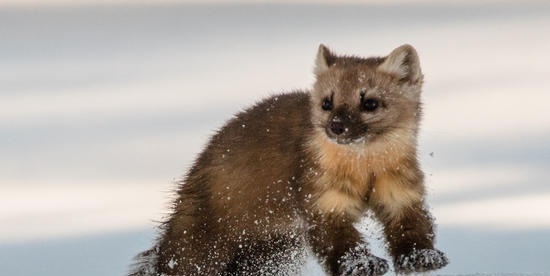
(420,261)
(360,262)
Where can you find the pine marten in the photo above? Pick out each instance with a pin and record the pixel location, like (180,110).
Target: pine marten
(297,170)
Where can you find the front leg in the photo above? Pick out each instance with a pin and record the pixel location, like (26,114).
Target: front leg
(339,247)
(411,239)
(408,227)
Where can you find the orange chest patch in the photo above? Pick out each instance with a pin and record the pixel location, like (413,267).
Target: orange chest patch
(347,175)
(340,195)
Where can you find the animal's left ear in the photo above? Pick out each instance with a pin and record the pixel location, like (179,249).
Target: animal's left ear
(404,63)
(324,60)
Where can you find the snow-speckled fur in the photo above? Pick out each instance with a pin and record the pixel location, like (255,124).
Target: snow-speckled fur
(359,262)
(298,170)
(420,261)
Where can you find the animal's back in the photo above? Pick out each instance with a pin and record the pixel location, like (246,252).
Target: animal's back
(252,162)
(240,191)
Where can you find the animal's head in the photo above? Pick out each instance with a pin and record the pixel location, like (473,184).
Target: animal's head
(359,101)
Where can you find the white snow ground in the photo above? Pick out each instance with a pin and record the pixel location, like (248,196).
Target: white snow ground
(102,107)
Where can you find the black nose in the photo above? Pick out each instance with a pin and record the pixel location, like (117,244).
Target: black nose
(337,127)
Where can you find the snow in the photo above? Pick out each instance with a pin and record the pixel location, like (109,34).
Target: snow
(98,117)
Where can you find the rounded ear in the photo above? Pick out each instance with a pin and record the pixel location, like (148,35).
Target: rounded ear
(404,63)
(323,60)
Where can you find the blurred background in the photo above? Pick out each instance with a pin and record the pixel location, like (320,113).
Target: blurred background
(104,104)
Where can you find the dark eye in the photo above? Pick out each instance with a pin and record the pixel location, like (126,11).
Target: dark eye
(369,105)
(327,104)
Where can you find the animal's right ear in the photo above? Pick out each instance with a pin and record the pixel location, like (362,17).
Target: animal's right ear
(403,62)
(324,60)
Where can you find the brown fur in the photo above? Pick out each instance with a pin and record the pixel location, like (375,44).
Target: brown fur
(275,179)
